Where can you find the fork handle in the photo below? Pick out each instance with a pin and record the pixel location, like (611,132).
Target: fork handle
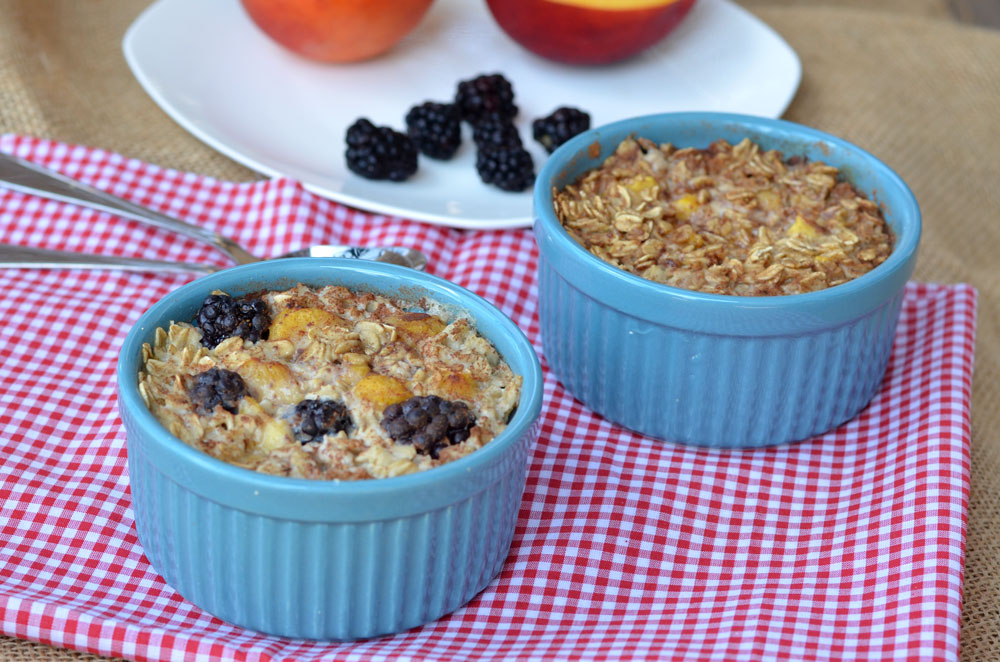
(24,176)
(26,257)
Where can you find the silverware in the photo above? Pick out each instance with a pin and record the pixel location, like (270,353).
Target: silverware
(26,177)
(26,257)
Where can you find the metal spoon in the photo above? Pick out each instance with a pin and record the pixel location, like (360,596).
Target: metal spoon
(27,257)
(26,177)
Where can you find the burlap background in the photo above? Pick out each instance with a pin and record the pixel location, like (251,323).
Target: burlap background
(898,77)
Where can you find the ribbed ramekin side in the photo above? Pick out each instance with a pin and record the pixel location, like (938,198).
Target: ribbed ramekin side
(325,580)
(705,389)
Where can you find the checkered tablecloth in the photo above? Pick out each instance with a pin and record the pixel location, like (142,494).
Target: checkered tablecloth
(848,546)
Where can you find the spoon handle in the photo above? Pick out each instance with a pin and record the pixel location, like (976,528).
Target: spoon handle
(24,176)
(25,257)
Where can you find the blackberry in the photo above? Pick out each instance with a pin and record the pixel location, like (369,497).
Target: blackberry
(495,131)
(313,419)
(428,422)
(508,168)
(484,95)
(380,152)
(560,126)
(221,316)
(435,129)
(217,386)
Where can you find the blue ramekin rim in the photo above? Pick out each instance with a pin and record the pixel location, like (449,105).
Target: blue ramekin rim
(649,301)
(363,500)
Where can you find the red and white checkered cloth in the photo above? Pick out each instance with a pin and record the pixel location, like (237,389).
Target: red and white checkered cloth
(849,546)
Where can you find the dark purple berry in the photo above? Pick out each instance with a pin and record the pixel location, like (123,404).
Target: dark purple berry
(560,126)
(495,131)
(221,316)
(428,422)
(507,168)
(217,387)
(380,152)
(435,129)
(485,95)
(313,419)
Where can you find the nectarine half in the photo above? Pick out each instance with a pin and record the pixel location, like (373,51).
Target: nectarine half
(337,30)
(588,31)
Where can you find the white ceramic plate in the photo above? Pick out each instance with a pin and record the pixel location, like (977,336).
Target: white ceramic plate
(223,80)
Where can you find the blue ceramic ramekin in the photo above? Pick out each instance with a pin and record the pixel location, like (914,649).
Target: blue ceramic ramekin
(715,370)
(326,559)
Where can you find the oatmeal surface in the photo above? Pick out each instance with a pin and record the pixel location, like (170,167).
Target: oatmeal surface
(362,351)
(727,219)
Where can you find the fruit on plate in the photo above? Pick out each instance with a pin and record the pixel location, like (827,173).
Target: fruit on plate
(380,152)
(337,30)
(588,31)
(558,127)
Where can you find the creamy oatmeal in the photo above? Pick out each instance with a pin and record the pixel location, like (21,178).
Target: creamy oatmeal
(728,219)
(328,384)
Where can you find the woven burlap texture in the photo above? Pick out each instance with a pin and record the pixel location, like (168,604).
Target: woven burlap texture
(895,76)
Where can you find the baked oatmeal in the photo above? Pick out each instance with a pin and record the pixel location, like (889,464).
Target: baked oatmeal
(328,383)
(727,219)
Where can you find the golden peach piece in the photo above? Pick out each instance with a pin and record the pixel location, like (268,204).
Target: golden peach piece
(358,371)
(414,327)
(769,200)
(454,385)
(275,434)
(292,322)
(267,376)
(642,183)
(381,390)
(685,206)
(355,366)
(802,228)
